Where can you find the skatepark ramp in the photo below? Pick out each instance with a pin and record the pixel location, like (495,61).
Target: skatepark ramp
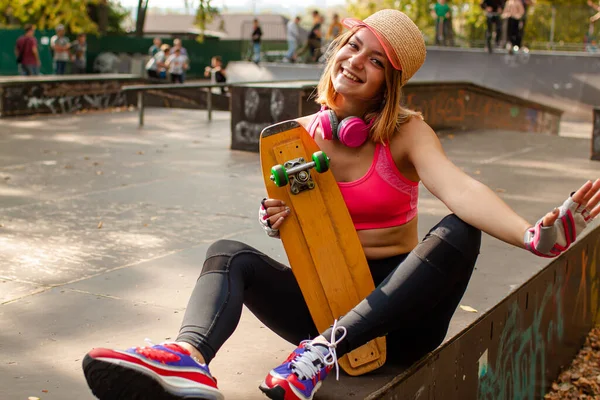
(445,106)
(565,80)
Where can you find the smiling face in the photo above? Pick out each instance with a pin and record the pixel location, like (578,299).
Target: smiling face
(359,68)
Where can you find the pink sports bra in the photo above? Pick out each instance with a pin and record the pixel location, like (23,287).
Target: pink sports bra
(383,197)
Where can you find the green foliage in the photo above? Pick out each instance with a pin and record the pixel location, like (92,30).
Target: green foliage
(78,16)
(73,14)
(116,16)
(571,18)
(204,15)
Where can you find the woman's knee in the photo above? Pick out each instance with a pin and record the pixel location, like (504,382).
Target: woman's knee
(460,235)
(226,248)
(220,253)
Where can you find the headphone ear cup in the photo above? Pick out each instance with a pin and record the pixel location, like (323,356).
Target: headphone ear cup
(326,125)
(353,131)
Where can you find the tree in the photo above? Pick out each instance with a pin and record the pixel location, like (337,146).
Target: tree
(78,16)
(558,21)
(204,15)
(72,14)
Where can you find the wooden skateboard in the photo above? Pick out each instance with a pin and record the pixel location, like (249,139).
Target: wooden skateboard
(319,237)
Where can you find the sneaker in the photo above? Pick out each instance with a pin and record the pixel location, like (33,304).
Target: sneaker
(303,372)
(159,372)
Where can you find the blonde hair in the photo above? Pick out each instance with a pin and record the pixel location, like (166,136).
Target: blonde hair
(389,115)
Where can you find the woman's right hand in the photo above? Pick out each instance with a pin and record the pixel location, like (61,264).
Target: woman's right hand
(271,214)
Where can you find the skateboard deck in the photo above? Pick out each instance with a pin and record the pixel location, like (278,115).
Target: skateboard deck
(319,237)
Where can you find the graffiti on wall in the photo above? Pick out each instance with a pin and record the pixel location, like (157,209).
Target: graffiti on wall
(451,107)
(519,368)
(522,360)
(61,97)
(253,109)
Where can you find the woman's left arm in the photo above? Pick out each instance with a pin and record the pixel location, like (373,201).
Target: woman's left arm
(471,200)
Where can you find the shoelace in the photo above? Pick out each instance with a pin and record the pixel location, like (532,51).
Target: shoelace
(304,366)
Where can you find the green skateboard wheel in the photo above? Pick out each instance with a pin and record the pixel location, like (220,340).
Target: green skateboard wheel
(321,161)
(280,176)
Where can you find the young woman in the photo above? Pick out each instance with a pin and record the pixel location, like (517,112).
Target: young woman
(380,151)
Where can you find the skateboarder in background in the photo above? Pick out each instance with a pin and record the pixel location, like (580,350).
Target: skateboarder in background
(441,14)
(514,12)
(492,9)
(378,168)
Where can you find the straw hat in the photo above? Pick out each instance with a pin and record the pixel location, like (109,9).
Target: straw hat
(400,37)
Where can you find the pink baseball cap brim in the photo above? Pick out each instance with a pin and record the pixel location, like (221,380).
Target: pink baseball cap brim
(389,51)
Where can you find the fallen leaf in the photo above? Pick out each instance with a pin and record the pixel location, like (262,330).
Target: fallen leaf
(141,153)
(100,225)
(467,308)
(499,190)
(86,158)
(450,136)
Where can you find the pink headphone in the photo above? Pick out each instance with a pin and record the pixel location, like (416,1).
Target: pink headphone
(351,131)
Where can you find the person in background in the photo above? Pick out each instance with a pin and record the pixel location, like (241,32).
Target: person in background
(216,72)
(156,67)
(492,9)
(178,45)
(335,29)
(60,44)
(177,64)
(79,54)
(293,38)
(26,51)
(155,48)
(514,12)
(314,37)
(256,41)
(441,13)
(526,4)
(596,7)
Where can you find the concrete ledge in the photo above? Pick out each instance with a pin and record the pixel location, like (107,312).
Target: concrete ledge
(469,106)
(64,94)
(516,349)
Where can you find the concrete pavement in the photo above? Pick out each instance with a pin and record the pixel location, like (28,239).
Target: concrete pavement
(104,229)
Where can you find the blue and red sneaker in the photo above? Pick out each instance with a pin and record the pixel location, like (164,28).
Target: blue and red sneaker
(160,372)
(303,372)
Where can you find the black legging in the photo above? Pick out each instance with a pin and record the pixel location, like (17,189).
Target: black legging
(512,32)
(414,300)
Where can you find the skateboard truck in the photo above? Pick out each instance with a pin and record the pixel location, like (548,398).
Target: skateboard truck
(296,172)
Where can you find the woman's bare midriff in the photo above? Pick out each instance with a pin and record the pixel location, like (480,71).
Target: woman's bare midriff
(389,242)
